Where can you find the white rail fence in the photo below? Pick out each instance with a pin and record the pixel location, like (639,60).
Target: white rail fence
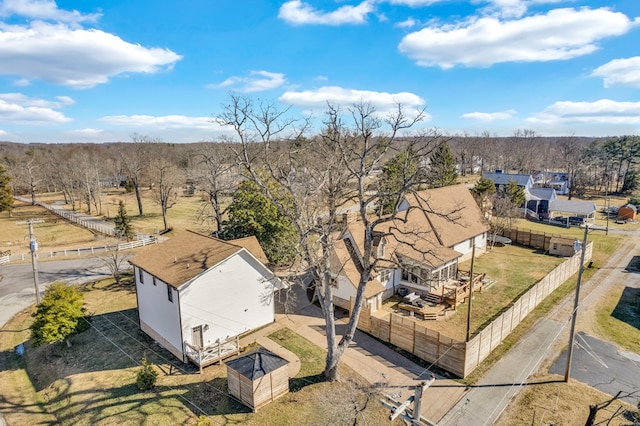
(72,217)
(141,239)
(49,254)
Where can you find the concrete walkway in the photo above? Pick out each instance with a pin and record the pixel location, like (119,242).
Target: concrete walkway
(375,362)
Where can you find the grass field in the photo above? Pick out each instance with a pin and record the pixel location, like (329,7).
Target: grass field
(53,232)
(559,403)
(93,382)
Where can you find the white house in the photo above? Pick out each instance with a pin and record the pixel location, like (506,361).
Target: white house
(196,294)
(419,249)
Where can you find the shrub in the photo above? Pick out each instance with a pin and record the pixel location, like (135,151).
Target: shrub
(147,376)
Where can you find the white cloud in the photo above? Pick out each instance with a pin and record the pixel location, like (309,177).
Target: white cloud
(25,101)
(3,133)
(490,116)
(28,113)
(51,52)
(22,82)
(620,72)
(257,81)
(384,103)
(161,122)
(297,12)
(43,10)
(86,133)
(603,111)
(407,23)
(414,3)
(507,8)
(557,35)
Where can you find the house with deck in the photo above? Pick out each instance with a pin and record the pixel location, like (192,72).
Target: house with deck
(417,250)
(197,294)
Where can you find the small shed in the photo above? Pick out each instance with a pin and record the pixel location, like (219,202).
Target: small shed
(258,378)
(627,212)
(562,246)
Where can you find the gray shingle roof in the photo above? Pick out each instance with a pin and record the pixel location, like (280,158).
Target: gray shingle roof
(257,364)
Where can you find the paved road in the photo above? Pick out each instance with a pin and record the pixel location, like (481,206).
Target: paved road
(602,365)
(17,289)
(484,403)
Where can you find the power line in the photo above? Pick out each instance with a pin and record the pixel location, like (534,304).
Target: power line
(138,363)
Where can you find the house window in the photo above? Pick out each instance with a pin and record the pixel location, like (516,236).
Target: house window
(154,281)
(413,275)
(381,246)
(169,293)
(385,275)
(140,276)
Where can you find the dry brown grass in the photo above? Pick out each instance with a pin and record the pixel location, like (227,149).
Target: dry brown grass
(553,402)
(54,232)
(93,382)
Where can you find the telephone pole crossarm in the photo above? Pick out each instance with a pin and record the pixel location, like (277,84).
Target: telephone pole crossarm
(401,409)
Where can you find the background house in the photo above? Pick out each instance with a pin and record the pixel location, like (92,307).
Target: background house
(499,179)
(538,200)
(195,291)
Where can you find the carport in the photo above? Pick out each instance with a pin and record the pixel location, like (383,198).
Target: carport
(583,209)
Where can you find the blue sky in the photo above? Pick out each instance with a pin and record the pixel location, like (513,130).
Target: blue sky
(91,71)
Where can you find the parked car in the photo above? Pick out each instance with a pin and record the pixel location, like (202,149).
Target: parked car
(576,220)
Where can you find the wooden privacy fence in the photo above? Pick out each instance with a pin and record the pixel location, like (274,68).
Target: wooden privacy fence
(457,357)
(525,237)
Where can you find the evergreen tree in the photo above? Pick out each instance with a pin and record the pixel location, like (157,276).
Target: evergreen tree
(59,316)
(514,192)
(631,181)
(481,191)
(6,197)
(393,181)
(251,213)
(442,167)
(123,223)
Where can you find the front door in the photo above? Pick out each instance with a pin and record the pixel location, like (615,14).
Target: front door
(196,336)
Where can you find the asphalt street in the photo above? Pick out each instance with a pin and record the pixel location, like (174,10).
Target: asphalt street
(17,288)
(602,366)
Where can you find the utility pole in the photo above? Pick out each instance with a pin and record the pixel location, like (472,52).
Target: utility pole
(33,247)
(576,302)
(398,410)
(473,258)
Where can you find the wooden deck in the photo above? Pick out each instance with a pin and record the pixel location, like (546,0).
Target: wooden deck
(208,355)
(426,312)
(456,293)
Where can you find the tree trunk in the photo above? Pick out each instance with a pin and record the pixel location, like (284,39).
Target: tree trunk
(164,217)
(136,187)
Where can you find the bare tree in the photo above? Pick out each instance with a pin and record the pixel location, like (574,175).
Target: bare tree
(135,160)
(215,173)
(351,155)
(115,261)
(571,153)
(596,408)
(166,178)
(26,170)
